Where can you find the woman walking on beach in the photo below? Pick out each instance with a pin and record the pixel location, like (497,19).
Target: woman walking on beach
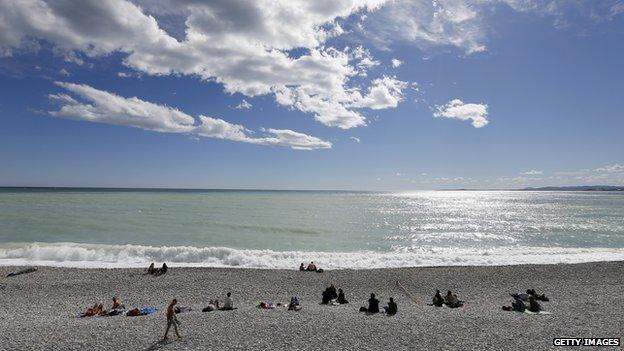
(172,319)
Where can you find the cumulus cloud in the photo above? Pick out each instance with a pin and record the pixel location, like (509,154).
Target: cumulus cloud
(532,172)
(93,105)
(245,46)
(396,62)
(384,93)
(243,105)
(457,109)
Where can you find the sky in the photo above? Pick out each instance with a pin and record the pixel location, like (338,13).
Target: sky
(326,94)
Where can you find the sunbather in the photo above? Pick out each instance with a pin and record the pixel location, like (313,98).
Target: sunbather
(302,267)
(534,306)
(392,307)
(117,303)
(162,270)
(452,301)
(311,267)
(228,303)
(341,297)
(438,301)
(294,304)
(151,269)
(373,305)
(211,306)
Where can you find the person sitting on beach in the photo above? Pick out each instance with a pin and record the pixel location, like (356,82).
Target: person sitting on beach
(534,306)
(392,307)
(518,305)
(228,304)
(117,303)
(326,296)
(332,292)
(151,269)
(172,319)
(162,270)
(302,267)
(438,301)
(373,305)
(451,300)
(311,267)
(341,297)
(294,304)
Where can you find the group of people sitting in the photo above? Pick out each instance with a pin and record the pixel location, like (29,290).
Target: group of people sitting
(151,270)
(213,305)
(98,309)
(531,297)
(310,268)
(449,300)
(330,295)
(373,306)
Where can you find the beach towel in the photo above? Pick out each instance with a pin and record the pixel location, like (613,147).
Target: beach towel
(182,309)
(540,312)
(147,310)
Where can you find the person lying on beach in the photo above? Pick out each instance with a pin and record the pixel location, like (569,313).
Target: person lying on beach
(212,305)
(518,306)
(534,306)
(162,270)
(392,307)
(341,297)
(311,267)
(267,305)
(452,301)
(151,270)
(438,301)
(373,305)
(529,293)
(172,319)
(228,303)
(93,311)
(294,304)
(302,267)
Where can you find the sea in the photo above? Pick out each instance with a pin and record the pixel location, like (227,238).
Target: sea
(94,228)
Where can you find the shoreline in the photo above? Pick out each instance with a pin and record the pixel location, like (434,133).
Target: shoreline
(39,309)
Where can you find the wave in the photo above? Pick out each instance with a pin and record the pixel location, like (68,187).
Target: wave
(112,256)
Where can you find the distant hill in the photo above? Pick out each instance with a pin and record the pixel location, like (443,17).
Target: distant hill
(578,188)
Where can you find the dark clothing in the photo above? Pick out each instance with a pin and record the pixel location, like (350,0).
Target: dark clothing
(438,301)
(534,306)
(373,305)
(332,293)
(392,308)
(518,305)
(341,298)
(326,297)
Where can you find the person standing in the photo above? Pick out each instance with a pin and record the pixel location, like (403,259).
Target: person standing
(172,319)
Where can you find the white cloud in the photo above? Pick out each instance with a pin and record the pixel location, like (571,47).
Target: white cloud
(64,72)
(532,172)
(245,46)
(384,93)
(355,139)
(243,105)
(477,113)
(396,62)
(104,107)
(614,168)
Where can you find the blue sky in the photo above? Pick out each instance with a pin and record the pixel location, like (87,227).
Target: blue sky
(488,94)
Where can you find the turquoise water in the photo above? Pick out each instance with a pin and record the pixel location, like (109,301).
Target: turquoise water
(279,229)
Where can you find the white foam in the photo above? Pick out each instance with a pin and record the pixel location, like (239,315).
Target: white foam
(95,256)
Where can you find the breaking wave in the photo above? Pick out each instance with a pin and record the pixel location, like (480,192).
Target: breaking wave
(111,256)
